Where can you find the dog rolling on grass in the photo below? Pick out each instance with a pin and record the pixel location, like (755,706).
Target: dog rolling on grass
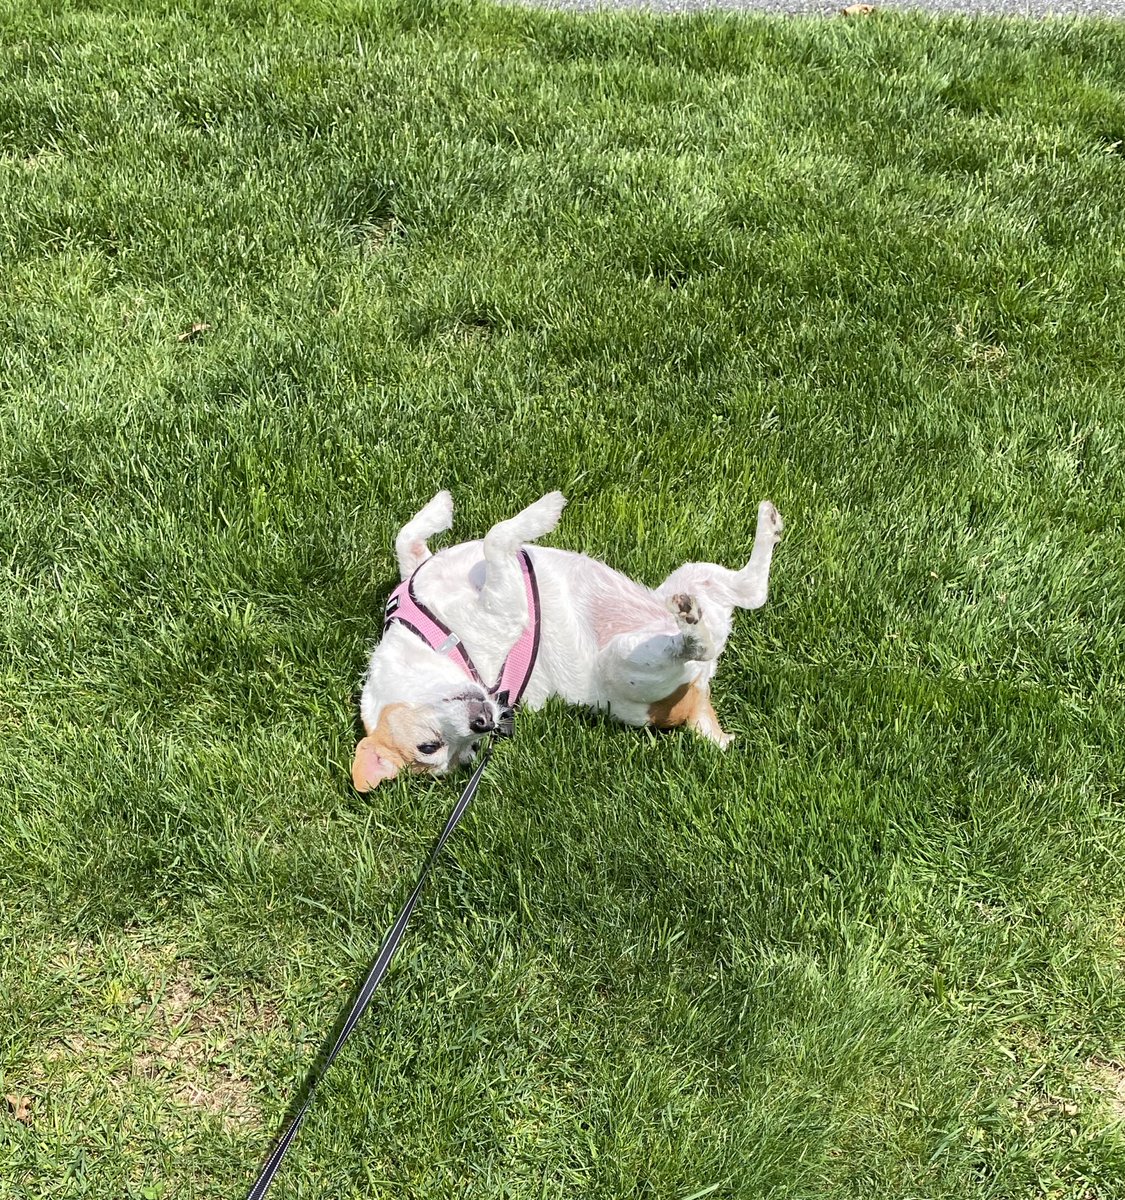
(645,655)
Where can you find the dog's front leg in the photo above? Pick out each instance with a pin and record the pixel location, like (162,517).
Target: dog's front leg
(411,548)
(502,593)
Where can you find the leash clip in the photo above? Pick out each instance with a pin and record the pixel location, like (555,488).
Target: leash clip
(506,725)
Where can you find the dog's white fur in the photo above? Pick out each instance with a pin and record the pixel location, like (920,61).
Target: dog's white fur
(647,656)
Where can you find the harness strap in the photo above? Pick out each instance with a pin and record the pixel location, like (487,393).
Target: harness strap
(519,664)
(405,608)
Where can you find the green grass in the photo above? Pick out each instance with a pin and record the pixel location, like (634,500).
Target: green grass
(872,270)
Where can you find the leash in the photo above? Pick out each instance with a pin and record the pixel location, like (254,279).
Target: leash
(404,607)
(374,977)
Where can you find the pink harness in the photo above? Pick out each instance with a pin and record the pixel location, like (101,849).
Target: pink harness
(405,608)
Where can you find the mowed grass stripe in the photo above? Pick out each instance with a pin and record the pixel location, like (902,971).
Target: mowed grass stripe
(867,269)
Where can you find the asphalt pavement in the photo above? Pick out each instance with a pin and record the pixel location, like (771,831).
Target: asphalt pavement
(995,8)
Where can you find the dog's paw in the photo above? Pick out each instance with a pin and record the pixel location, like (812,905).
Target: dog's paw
(435,517)
(696,641)
(441,510)
(542,516)
(770,524)
(684,608)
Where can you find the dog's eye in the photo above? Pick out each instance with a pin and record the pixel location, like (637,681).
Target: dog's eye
(429,747)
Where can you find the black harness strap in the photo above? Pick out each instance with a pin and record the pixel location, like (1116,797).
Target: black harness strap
(374,978)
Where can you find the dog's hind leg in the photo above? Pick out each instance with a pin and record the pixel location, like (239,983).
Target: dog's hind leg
(656,678)
(752,582)
(410,545)
(702,597)
(720,590)
(694,642)
(503,591)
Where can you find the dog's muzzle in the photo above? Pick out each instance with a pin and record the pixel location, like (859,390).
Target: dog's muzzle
(491,716)
(488,716)
(480,717)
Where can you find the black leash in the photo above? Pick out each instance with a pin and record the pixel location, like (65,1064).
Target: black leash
(374,978)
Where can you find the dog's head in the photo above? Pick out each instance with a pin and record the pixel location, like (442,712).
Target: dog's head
(421,714)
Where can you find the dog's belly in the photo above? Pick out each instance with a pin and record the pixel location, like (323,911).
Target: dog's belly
(584,605)
(564,664)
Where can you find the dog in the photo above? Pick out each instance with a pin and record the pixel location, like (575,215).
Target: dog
(646,656)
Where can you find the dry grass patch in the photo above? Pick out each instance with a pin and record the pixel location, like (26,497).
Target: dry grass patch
(150,1031)
(1109,1080)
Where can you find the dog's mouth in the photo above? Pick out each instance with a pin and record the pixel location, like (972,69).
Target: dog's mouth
(465,758)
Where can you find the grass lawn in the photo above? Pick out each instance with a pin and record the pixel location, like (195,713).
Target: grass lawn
(870,269)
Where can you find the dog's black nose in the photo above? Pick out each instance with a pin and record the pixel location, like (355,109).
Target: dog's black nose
(480,716)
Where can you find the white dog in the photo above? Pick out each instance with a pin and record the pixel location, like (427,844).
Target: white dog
(647,656)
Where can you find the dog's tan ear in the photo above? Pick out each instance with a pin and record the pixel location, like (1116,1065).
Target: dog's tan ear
(369,767)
